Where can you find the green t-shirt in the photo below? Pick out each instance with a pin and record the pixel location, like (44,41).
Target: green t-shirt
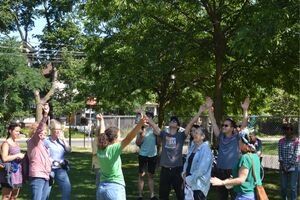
(111,164)
(246,161)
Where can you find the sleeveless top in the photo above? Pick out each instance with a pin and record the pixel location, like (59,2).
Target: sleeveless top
(16,167)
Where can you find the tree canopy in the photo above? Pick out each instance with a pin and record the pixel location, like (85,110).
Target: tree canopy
(175,53)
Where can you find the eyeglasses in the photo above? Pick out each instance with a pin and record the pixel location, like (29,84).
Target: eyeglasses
(225,125)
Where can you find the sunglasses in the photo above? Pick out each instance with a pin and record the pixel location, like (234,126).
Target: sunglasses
(225,125)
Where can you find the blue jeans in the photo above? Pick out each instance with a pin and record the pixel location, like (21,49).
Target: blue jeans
(111,191)
(286,179)
(61,177)
(248,196)
(39,187)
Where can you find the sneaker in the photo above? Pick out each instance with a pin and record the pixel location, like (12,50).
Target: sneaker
(154,198)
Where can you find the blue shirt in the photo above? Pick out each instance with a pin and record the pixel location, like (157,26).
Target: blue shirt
(200,169)
(56,149)
(148,147)
(229,151)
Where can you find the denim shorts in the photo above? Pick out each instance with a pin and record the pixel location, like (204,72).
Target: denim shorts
(111,191)
(247,196)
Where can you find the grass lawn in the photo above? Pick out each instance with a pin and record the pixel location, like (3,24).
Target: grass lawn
(83,184)
(270,148)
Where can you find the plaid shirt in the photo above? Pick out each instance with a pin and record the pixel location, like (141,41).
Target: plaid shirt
(288,151)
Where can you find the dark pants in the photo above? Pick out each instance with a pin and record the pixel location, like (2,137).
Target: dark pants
(223,193)
(198,195)
(170,177)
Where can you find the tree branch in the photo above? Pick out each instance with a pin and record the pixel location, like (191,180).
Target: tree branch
(53,86)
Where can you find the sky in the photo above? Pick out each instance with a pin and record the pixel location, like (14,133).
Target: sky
(36,30)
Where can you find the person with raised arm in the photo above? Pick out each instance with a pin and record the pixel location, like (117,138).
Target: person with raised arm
(228,151)
(246,172)
(58,147)
(95,160)
(197,167)
(171,160)
(39,159)
(112,184)
(146,140)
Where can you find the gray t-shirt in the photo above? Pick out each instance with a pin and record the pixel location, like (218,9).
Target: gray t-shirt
(229,151)
(171,155)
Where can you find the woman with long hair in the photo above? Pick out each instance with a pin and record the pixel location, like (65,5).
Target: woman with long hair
(11,152)
(112,184)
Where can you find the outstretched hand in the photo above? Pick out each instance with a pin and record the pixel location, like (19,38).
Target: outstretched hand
(46,108)
(246,103)
(216,181)
(209,102)
(143,120)
(202,108)
(99,117)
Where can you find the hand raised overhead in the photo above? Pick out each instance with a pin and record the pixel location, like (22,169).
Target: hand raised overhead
(46,108)
(246,103)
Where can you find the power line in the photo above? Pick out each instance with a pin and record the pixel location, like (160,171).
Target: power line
(44,50)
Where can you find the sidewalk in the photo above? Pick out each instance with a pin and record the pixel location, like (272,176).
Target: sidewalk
(270,161)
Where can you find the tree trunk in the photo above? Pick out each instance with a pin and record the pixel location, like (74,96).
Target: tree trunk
(220,46)
(161,114)
(40,101)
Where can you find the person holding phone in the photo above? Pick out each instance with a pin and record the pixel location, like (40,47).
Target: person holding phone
(146,140)
(57,146)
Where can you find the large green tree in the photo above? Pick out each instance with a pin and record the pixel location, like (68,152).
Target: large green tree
(17,82)
(224,43)
(60,31)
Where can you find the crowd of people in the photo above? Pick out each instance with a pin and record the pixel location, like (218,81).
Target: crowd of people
(236,174)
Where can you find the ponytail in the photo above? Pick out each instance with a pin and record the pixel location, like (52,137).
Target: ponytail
(108,137)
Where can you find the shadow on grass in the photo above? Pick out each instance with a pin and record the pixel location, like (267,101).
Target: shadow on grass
(83,180)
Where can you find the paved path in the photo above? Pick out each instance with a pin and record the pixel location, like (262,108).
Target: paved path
(270,161)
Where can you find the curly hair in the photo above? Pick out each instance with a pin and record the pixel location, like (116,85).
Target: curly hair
(108,137)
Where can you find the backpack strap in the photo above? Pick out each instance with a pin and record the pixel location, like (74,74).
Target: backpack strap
(253,171)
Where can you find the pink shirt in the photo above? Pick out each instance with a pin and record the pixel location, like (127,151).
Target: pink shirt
(39,157)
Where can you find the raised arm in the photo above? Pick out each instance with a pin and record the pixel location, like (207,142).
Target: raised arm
(133,133)
(140,137)
(64,142)
(41,127)
(209,102)
(195,118)
(156,129)
(102,124)
(245,107)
